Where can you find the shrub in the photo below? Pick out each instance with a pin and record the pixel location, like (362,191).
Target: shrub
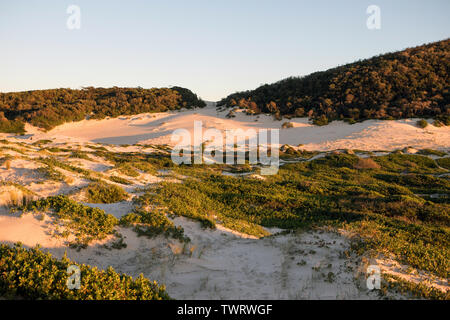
(287,125)
(105,193)
(422,123)
(80,155)
(127,169)
(86,223)
(432,152)
(120,180)
(321,121)
(444,162)
(153,223)
(50,173)
(444,119)
(12,126)
(366,163)
(33,274)
(438,124)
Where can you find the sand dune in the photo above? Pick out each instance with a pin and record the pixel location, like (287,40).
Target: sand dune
(217,264)
(157,129)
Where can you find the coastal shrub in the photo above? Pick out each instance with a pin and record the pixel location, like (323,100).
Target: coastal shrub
(444,162)
(119,180)
(100,192)
(153,223)
(11,126)
(328,191)
(422,123)
(287,125)
(35,275)
(366,163)
(85,223)
(432,152)
(127,169)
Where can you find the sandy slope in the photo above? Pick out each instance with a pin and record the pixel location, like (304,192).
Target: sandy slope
(217,264)
(158,128)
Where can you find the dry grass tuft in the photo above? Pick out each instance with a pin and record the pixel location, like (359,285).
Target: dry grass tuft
(287,125)
(13,198)
(69,180)
(176,249)
(366,163)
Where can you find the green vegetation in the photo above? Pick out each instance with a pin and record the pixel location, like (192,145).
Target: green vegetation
(287,125)
(40,143)
(444,119)
(397,203)
(52,162)
(419,290)
(129,162)
(422,123)
(100,192)
(11,126)
(127,168)
(80,155)
(33,274)
(321,121)
(378,198)
(444,162)
(50,173)
(405,163)
(85,223)
(405,84)
(153,223)
(119,180)
(431,152)
(49,108)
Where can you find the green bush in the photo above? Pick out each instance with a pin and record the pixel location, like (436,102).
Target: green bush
(152,224)
(33,274)
(119,180)
(444,162)
(12,126)
(327,191)
(321,121)
(287,125)
(100,192)
(432,152)
(127,169)
(86,223)
(422,123)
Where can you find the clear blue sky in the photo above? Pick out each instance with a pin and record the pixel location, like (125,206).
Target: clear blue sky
(209,46)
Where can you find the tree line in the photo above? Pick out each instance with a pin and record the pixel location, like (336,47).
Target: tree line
(49,108)
(409,83)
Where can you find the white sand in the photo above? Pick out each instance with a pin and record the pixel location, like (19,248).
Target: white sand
(158,128)
(221,265)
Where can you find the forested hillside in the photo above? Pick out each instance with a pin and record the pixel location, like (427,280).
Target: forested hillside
(404,84)
(49,108)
